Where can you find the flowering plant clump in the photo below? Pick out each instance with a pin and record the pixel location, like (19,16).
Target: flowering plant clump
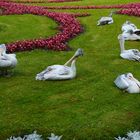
(29,1)
(132,9)
(39,1)
(35,136)
(120,6)
(62,0)
(68,25)
(130,12)
(130,136)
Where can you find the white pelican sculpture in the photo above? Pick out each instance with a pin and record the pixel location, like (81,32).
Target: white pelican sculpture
(106,20)
(61,72)
(54,137)
(128,26)
(128,83)
(130,31)
(131,54)
(7,61)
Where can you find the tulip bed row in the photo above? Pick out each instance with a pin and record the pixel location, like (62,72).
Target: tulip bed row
(62,0)
(120,6)
(29,1)
(132,9)
(129,9)
(69,28)
(130,12)
(40,1)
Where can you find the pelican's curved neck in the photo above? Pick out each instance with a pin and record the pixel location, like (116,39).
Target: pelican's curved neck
(70,60)
(136,81)
(122,41)
(5,55)
(110,15)
(73,66)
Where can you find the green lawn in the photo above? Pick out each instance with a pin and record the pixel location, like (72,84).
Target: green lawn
(20,27)
(89,107)
(89,2)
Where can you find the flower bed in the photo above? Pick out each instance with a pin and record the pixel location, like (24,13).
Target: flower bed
(120,6)
(40,1)
(29,1)
(63,0)
(130,12)
(132,9)
(69,27)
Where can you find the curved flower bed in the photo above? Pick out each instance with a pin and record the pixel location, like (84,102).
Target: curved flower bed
(130,12)
(29,1)
(39,1)
(63,0)
(120,6)
(132,9)
(68,25)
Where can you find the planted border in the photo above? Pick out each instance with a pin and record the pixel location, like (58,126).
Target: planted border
(130,12)
(63,0)
(119,6)
(131,9)
(69,28)
(40,1)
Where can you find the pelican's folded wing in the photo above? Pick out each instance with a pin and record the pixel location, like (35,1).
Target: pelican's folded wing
(136,52)
(121,82)
(48,69)
(3,58)
(137,32)
(2,48)
(64,71)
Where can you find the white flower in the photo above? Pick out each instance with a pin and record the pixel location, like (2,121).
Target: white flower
(134,135)
(33,136)
(131,136)
(119,138)
(54,137)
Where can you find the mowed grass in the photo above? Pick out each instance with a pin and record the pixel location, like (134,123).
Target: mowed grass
(21,27)
(85,2)
(88,107)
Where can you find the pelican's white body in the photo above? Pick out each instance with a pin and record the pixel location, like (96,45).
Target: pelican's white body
(131,54)
(7,61)
(126,28)
(124,83)
(105,20)
(61,72)
(129,36)
(57,72)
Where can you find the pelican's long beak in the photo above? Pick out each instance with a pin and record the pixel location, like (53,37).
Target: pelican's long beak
(133,79)
(137,82)
(78,53)
(70,60)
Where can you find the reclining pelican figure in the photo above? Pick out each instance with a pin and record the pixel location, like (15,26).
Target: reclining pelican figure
(7,61)
(106,20)
(61,72)
(130,31)
(131,54)
(128,26)
(131,35)
(128,83)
